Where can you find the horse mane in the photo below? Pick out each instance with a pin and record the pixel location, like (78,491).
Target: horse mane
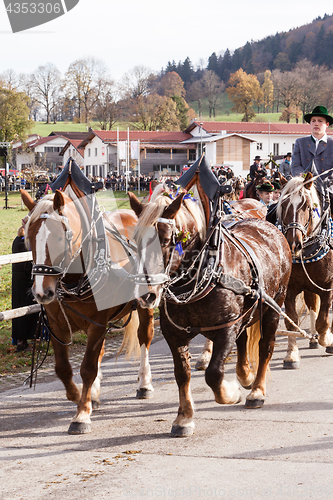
(160,199)
(295,189)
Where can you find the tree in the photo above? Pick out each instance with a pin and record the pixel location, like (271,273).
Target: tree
(195,93)
(156,112)
(171,84)
(138,82)
(9,80)
(244,91)
(291,112)
(106,109)
(183,112)
(212,89)
(212,63)
(287,88)
(46,87)
(26,85)
(83,81)
(267,91)
(14,115)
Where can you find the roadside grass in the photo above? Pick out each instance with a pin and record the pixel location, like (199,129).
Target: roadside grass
(10,221)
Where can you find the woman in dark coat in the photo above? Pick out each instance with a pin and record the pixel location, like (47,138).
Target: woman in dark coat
(23,328)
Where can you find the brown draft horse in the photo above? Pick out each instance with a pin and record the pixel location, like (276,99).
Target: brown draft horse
(250,189)
(246,208)
(300,216)
(57,232)
(217,311)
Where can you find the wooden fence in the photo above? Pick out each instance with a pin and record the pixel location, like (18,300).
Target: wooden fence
(20,311)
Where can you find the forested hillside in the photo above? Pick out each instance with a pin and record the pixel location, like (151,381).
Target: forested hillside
(282,51)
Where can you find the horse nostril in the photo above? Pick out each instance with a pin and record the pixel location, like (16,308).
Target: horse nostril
(151,298)
(49,294)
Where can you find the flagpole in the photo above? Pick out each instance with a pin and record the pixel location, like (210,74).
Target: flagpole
(138,166)
(127,159)
(117,150)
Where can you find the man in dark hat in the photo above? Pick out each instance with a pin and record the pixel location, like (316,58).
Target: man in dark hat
(285,167)
(314,153)
(265,193)
(256,168)
(317,147)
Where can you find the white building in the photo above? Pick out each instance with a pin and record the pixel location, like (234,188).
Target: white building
(266,139)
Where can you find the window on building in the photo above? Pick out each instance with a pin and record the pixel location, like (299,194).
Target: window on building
(88,151)
(95,151)
(259,146)
(192,154)
(276,148)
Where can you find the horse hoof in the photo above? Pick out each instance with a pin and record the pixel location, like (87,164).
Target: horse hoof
(79,428)
(291,365)
(254,403)
(201,365)
(95,405)
(314,345)
(179,431)
(144,393)
(329,349)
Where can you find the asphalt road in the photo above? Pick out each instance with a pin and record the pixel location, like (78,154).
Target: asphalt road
(281,451)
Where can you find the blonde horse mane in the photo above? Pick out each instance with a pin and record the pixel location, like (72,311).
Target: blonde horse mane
(160,199)
(295,190)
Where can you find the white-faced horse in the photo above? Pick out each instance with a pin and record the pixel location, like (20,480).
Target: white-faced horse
(303,216)
(81,259)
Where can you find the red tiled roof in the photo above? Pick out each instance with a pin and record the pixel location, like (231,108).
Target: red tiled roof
(144,136)
(75,143)
(43,140)
(255,128)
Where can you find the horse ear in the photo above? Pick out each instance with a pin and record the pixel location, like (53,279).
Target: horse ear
(58,201)
(27,200)
(307,181)
(171,211)
(136,204)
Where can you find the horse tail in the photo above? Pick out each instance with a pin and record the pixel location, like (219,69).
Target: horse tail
(252,346)
(308,300)
(130,343)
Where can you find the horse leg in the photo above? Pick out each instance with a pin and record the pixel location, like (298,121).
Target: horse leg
(64,370)
(183,425)
(145,335)
(245,374)
(81,423)
(270,322)
(292,360)
(322,323)
(96,387)
(225,392)
(312,302)
(206,354)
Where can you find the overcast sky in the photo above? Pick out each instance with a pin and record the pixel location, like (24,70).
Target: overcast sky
(126,33)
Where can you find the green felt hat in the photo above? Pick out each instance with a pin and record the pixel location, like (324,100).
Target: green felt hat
(319,111)
(266,186)
(276,185)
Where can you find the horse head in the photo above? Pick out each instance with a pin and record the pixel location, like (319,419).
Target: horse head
(297,210)
(52,237)
(165,232)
